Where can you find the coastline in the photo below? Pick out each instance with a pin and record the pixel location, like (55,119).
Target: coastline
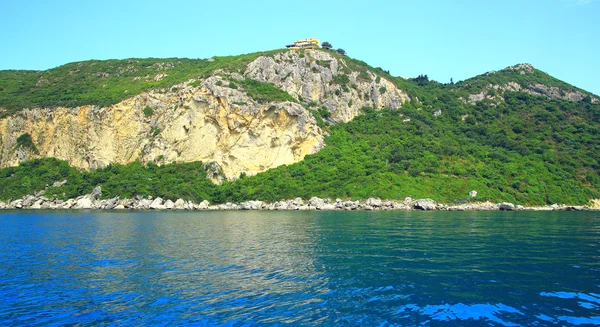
(93,201)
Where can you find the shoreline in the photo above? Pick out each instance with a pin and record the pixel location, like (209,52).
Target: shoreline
(92,201)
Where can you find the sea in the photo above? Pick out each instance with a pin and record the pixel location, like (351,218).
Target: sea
(284,268)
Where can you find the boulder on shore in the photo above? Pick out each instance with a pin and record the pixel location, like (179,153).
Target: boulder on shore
(506,206)
(157,204)
(84,202)
(316,202)
(179,204)
(424,204)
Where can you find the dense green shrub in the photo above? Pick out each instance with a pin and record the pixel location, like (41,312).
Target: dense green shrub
(25,141)
(341,79)
(265,92)
(148,111)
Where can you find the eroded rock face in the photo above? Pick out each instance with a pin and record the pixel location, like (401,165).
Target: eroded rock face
(317,76)
(209,122)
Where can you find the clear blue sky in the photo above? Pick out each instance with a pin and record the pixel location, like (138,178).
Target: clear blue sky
(441,38)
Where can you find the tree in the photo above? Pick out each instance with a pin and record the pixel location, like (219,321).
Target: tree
(341,51)
(326,45)
(421,79)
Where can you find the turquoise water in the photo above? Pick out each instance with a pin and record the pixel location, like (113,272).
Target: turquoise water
(299,268)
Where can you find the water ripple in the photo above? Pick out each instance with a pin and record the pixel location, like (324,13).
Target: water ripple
(299,268)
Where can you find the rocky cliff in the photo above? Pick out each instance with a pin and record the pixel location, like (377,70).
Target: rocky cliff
(218,125)
(210,119)
(339,84)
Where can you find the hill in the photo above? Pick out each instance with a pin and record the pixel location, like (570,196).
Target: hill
(514,135)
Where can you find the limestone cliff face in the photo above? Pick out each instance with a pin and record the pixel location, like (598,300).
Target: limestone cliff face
(218,125)
(205,120)
(317,76)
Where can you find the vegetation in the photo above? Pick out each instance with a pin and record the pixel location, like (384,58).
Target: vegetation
(105,82)
(148,111)
(527,150)
(186,180)
(24,141)
(519,76)
(520,148)
(265,92)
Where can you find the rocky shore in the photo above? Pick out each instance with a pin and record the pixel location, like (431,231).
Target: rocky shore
(93,201)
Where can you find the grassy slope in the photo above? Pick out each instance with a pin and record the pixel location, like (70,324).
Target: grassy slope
(529,150)
(104,82)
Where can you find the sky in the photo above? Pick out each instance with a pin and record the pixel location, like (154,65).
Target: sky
(441,38)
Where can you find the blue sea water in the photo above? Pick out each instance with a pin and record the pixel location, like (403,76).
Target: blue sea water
(299,268)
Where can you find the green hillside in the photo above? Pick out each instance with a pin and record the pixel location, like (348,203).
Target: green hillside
(104,82)
(520,148)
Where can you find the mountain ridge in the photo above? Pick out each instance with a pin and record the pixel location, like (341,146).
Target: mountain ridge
(194,67)
(499,133)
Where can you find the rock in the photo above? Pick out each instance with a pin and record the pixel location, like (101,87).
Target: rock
(157,204)
(59,184)
(400,206)
(119,207)
(96,192)
(68,204)
(316,202)
(375,203)
(169,205)
(227,206)
(179,204)
(203,205)
(506,206)
(303,76)
(110,203)
(84,202)
(28,200)
(328,206)
(251,205)
(189,205)
(143,204)
(37,204)
(424,204)
(473,194)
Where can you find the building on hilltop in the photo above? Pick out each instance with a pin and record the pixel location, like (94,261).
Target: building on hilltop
(310,43)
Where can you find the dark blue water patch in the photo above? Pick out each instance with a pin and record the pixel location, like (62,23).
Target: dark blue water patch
(299,268)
